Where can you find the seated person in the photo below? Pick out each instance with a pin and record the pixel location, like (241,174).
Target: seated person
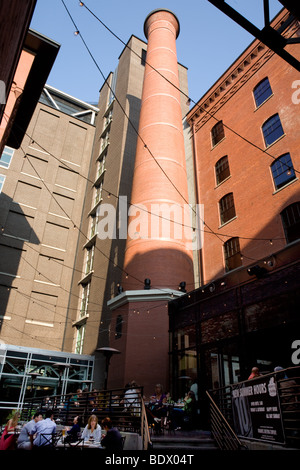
(156,409)
(74,432)
(113,439)
(185,416)
(92,431)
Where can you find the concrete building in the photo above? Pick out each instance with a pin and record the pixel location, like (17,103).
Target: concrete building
(42,192)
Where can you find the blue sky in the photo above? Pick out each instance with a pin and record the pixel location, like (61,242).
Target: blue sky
(208,43)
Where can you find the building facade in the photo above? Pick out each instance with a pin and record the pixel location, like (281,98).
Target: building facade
(245,134)
(101,248)
(42,191)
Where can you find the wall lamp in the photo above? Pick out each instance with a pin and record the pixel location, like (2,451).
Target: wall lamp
(147,284)
(119,289)
(182,286)
(257,271)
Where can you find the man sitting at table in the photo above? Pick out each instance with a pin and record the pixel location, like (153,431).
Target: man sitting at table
(24,441)
(43,430)
(113,439)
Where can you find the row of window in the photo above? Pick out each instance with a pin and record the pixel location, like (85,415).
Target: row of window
(290,218)
(90,246)
(282,170)
(272,130)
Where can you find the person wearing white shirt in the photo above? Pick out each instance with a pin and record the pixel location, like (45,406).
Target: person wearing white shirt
(92,431)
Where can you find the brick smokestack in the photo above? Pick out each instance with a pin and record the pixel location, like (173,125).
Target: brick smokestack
(154,254)
(156,248)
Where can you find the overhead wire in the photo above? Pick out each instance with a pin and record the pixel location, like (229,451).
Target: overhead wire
(129,120)
(251,238)
(188,98)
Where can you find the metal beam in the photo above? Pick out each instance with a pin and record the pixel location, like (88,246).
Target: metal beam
(267,35)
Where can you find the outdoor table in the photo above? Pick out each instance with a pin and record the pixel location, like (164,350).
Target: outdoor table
(80,444)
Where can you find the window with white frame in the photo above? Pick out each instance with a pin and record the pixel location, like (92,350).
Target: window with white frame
(89,259)
(79,339)
(6,157)
(2,179)
(84,300)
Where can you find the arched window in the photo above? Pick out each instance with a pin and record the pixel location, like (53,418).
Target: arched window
(232,254)
(290,217)
(222,169)
(227,209)
(217,133)
(272,129)
(282,170)
(262,91)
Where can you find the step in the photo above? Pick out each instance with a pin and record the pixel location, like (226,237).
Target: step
(184,441)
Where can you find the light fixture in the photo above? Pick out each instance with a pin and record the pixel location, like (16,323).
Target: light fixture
(119,289)
(257,271)
(182,286)
(147,283)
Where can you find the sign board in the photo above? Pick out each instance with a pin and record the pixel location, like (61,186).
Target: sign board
(256,410)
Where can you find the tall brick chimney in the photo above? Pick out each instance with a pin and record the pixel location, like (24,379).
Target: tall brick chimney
(156,250)
(158,247)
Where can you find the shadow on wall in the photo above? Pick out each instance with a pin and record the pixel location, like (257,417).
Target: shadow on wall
(16,229)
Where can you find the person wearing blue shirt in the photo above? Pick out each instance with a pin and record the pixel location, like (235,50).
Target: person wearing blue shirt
(46,426)
(24,441)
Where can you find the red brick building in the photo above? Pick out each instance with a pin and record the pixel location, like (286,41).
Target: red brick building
(245,132)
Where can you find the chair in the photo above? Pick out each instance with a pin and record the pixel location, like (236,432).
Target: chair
(49,439)
(74,445)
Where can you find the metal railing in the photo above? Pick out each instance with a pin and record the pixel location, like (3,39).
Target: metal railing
(225,437)
(125,408)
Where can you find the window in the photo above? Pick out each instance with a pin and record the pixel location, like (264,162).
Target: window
(84,300)
(2,179)
(93,226)
(283,170)
(119,326)
(98,194)
(222,169)
(272,130)
(217,133)
(143,58)
(101,166)
(262,91)
(79,339)
(227,209)
(290,217)
(6,157)
(232,254)
(89,260)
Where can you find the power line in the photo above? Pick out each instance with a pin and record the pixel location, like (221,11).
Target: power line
(177,88)
(145,145)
